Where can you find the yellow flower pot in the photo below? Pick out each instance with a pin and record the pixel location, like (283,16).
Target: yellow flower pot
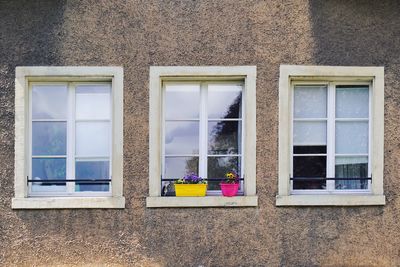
(190,190)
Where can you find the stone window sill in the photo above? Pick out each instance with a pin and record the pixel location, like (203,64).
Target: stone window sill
(208,201)
(68,203)
(330,200)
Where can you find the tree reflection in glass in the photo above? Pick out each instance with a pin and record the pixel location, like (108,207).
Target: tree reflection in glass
(224,131)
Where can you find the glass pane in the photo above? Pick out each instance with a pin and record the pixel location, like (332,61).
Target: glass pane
(92,139)
(310,101)
(181,137)
(224,101)
(49,101)
(177,167)
(85,169)
(49,138)
(48,169)
(309,167)
(309,150)
(217,168)
(224,137)
(351,137)
(351,167)
(309,133)
(182,101)
(93,102)
(352,102)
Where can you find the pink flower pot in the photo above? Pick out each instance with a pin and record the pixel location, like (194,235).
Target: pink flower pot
(229,190)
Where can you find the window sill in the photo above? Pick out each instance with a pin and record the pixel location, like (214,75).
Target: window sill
(208,201)
(68,203)
(330,200)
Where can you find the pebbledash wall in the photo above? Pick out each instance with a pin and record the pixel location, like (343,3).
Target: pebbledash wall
(138,34)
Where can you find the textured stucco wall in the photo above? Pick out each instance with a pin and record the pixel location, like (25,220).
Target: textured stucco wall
(136,34)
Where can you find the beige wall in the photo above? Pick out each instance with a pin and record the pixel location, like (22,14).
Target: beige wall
(139,34)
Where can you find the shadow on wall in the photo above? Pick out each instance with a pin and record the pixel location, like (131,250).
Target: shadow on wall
(30,32)
(29,35)
(356,32)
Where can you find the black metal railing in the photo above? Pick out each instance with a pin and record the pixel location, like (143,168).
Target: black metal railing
(205,179)
(62,181)
(329,179)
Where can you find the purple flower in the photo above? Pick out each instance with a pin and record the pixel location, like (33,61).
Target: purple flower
(192,178)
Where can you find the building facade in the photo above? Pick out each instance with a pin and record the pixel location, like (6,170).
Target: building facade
(309,91)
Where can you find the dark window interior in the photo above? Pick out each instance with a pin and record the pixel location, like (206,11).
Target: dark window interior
(309,167)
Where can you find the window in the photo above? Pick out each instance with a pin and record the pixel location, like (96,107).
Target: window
(331,136)
(202,120)
(68,137)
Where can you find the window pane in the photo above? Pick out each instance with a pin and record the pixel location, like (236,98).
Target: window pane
(93,102)
(309,133)
(92,139)
(48,169)
(182,137)
(49,101)
(223,137)
(177,167)
(224,101)
(217,168)
(352,102)
(182,101)
(310,101)
(309,150)
(309,167)
(49,138)
(351,137)
(92,170)
(351,167)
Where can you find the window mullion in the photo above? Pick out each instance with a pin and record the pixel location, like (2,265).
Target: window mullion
(203,146)
(71,138)
(330,172)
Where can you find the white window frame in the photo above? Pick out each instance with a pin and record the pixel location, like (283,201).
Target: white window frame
(203,129)
(25,77)
(158,75)
(331,75)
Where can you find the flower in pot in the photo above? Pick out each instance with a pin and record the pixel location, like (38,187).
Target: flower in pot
(230,185)
(190,185)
